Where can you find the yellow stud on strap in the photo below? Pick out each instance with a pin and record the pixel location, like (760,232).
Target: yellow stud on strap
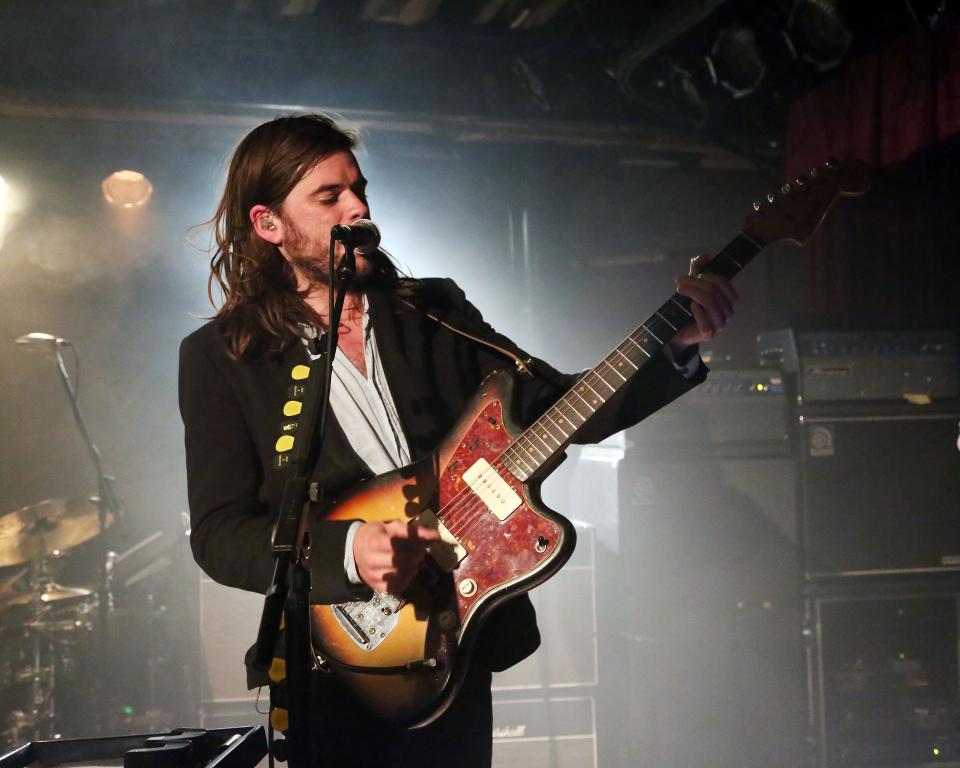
(279,719)
(292,408)
(278,669)
(284,443)
(300,372)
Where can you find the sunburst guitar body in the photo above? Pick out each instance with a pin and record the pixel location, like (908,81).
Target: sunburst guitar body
(405,658)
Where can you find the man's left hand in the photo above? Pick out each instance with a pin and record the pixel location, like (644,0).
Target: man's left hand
(714,299)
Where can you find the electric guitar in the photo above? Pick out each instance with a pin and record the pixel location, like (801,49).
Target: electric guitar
(405,656)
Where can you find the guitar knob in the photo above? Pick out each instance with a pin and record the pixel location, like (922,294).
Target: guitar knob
(468,587)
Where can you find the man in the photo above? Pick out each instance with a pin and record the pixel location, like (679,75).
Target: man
(401,379)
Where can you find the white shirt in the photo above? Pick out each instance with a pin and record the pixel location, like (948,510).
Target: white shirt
(365,409)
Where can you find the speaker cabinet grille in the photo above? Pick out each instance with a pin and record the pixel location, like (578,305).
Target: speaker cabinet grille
(880,493)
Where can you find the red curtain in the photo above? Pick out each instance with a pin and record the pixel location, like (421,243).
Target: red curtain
(882,107)
(887,259)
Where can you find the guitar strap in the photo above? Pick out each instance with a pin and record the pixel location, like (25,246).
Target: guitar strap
(522,366)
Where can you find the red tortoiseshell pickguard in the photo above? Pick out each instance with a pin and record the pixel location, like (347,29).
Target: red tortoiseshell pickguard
(499,552)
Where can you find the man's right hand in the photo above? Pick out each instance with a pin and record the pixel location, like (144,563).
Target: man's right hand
(388,554)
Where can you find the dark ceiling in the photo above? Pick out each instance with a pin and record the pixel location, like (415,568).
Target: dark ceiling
(582,71)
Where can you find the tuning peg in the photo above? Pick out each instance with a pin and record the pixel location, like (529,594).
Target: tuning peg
(831,163)
(800,181)
(814,173)
(756,205)
(771,197)
(785,189)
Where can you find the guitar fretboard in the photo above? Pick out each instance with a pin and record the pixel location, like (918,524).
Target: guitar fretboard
(556,428)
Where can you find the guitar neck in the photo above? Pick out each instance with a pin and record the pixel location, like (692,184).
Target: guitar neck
(553,431)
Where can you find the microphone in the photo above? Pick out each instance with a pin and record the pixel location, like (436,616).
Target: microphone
(362,235)
(42,342)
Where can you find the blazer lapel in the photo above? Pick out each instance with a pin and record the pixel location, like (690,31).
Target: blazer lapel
(400,344)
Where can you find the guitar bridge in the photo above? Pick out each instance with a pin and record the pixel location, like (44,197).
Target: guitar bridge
(368,623)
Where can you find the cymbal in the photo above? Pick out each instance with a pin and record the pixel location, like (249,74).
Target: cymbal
(52,593)
(47,528)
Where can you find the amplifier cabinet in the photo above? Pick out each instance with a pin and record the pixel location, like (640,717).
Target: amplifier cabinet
(884,674)
(735,412)
(538,732)
(880,490)
(229,621)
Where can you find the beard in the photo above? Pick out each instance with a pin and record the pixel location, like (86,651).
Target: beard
(311,262)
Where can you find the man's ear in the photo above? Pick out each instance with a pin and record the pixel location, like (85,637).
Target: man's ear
(267,224)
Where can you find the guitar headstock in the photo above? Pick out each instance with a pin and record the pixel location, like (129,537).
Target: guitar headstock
(796,210)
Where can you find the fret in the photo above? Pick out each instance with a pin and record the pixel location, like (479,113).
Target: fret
(637,345)
(662,331)
(586,403)
(596,375)
(533,445)
(675,312)
(519,459)
(610,366)
(675,299)
(530,448)
(629,361)
(543,433)
(580,389)
(512,467)
(644,326)
(717,266)
(577,410)
(756,243)
(550,418)
(735,256)
(562,418)
(728,256)
(660,314)
(613,385)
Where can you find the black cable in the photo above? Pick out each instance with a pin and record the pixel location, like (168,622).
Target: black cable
(76,375)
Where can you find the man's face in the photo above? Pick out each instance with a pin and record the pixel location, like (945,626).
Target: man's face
(332,192)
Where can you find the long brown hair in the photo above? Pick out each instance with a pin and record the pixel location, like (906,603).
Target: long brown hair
(261,302)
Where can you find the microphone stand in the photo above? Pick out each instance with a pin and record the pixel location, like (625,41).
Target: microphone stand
(106,504)
(289,594)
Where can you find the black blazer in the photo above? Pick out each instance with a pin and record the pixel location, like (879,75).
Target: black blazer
(232,412)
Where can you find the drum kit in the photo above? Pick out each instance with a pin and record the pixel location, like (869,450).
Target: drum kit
(43,622)
(65,654)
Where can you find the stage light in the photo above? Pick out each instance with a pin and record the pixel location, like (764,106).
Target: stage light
(735,61)
(127,189)
(815,33)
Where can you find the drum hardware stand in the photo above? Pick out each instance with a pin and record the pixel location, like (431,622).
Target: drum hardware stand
(106,505)
(42,707)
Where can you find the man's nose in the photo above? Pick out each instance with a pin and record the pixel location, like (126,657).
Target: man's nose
(358,208)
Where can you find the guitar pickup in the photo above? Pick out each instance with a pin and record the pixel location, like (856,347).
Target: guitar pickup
(491,489)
